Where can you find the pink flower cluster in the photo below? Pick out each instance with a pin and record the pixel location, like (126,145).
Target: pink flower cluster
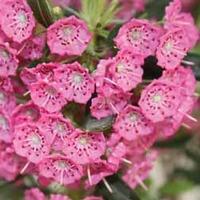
(37,139)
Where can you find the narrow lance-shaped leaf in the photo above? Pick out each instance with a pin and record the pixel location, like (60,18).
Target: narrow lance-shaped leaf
(43,11)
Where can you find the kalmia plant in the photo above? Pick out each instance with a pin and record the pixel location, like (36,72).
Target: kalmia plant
(75,107)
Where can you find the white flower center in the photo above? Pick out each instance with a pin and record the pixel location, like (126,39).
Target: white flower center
(136,34)
(2,97)
(35,140)
(21,18)
(157,98)
(120,67)
(77,78)
(4,54)
(133,117)
(83,141)
(3,122)
(60,128)
(168,46)
(62,164)
(51,91)
(67,31)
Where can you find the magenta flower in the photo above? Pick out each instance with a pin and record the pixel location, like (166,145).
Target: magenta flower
(8,60)
(160,100)
(124,70)
(33,48)
(28,112)
(6,127)
(75,82)
(84,147)
(172,49)
(28,76)
(140,171)
(98,170)
(47,96)
(57,128)
(141,36)
(34,194)
(31,142)
(104,104)
(16,19)
(7,101)
(59,197)
(10,162)
(175,18)
(68,36)
(60,169)
(131,123)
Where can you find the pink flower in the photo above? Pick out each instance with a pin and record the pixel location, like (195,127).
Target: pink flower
(68,36)
(10,162)
(6,127)
(84,147)
(159,100)
(31,142)
(116,154)
(57,128)
(140,170)
(93,198)
(60,169)
(129,8)
(7,101)
(28,76)
(141,36)
(98,170)
(131,123)
(75,82)
(46,95)
(175,18)
(104,104)
(172,49)
(59,197)
(8,60)
(124,70)
(34,194)
(27,112)
(33,48)
(17,19)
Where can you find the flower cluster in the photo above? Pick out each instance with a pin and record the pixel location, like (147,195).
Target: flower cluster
(38,138)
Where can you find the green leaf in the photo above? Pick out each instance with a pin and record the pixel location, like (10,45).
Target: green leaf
(120,190)
(176,142)
(92,124)
(176,187)
(9,191)
(195,58)
(43,11)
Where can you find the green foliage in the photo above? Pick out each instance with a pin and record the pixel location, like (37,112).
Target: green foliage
(43,11)
(176,187)
(98,13)
(120,190)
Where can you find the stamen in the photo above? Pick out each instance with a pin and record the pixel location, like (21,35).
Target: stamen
(25,167)
(138,179)
(107,185)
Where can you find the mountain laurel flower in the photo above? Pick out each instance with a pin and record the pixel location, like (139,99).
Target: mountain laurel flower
(47,95)
(159,100)
(175,18)
(84,147)
(68,36)
(31,142)
(173,47)
(60,169)
(16,19)
(8,60)
(75,82)
(139,35)
(131,123)
(34,194)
